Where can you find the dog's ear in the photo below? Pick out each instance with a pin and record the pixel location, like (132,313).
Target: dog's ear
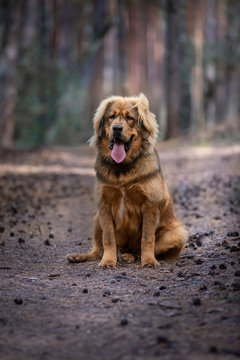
(99,120)
(147,120)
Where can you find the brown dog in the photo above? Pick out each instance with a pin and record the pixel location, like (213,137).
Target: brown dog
(135,214)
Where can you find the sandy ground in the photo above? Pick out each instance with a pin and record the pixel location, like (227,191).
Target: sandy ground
(50,309)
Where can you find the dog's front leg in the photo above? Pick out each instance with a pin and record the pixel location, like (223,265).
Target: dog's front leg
(150,220)
(109,258)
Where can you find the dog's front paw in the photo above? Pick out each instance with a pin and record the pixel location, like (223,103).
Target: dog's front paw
(149,262)
(108,263)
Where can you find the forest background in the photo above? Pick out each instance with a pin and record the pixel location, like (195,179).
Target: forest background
(60,58)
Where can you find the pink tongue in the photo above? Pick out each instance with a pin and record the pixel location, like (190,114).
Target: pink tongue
(118,153)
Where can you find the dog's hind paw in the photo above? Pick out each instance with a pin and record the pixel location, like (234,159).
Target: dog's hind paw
(76,258)
(127,258)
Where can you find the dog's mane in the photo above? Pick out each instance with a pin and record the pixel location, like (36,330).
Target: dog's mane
(146,118)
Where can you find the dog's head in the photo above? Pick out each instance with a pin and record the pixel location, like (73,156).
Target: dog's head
(124,128)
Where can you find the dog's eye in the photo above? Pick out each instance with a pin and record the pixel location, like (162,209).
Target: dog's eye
(129,118)
(112,116)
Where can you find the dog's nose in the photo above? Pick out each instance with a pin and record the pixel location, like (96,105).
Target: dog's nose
(117,128)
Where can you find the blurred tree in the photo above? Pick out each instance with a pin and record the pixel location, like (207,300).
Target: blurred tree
(173,67)
(12,21)
(232,63)
(59,58)
(196,31)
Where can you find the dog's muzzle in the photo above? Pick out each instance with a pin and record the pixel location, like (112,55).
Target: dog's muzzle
(118,140)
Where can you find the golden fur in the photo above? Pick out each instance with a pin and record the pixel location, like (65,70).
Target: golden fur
(135,214)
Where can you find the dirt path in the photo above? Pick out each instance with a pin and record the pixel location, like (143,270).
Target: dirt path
(52,310)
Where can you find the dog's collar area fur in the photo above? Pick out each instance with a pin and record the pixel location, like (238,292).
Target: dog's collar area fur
(146,177)
(114,168)
(108,171)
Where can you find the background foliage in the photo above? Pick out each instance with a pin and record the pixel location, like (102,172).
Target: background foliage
(60,58)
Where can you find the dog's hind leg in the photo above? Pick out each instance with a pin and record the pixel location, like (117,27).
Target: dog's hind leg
(97,250)
(169,241)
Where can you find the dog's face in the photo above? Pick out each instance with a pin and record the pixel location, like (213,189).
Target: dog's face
(124,128)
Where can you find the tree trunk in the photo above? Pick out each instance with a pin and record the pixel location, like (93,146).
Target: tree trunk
(221,62)
(197,12)
(233,68)
(110,52)
(173,71)
(7,124)
(210,71)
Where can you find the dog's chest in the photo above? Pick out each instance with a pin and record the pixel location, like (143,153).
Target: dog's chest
(121,208)
(126,204)
(123,200)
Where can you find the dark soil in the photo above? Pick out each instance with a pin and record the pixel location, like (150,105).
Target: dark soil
(52,310)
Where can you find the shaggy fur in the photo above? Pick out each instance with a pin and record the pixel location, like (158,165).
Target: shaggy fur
(135,215)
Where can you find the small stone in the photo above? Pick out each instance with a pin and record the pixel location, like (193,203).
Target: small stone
(236,286)
(233,234)
(213,267)
(156,294)
(74,284)
(11,233)
(180,274)
(197,301)
(115,300)
(106,293)
(70,229)
(203,288)
(211,272)
(3,321)
(195,274)
(199,262)
(222,267)
(2,229)
(53,275)
(124,322)
(237,273)
(222,287)
(163,340)
(191,256)
(162,287)
(18,301)
(51,235)
(234,248)
(213,349)
(47,242)
(21,241)
(85,291)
